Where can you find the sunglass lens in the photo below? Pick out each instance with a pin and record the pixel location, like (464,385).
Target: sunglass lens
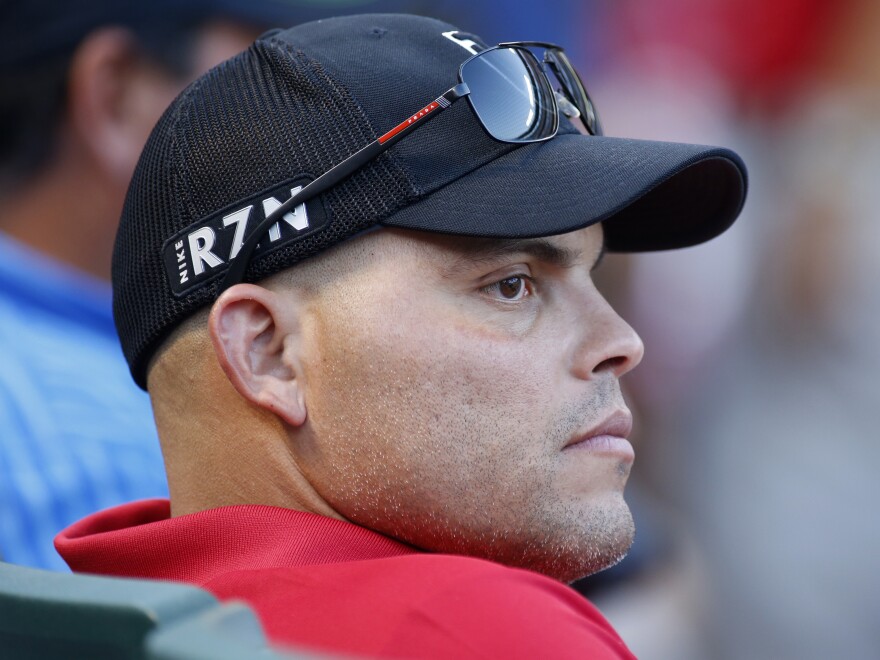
(510,95)
(575,90)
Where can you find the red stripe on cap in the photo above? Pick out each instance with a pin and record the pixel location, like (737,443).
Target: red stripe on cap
(421,114)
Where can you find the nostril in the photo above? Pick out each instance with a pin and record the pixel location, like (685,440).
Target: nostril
(379,31)
(610,364)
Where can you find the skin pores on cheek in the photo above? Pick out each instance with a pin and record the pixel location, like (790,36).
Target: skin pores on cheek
(445,431)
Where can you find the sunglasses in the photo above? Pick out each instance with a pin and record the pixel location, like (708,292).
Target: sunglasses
(511,92)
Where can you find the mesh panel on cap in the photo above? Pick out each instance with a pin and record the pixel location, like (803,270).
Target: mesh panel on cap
(257,121)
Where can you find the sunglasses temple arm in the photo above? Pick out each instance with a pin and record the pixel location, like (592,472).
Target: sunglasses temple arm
(336,174)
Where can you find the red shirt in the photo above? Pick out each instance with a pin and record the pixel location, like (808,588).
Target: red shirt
(329,585)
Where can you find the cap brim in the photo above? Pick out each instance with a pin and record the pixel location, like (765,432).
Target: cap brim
(651,195)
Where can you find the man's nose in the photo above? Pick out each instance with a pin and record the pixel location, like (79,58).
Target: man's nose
(608,343)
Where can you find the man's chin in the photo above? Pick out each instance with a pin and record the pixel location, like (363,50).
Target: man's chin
(599,543)
(605,543)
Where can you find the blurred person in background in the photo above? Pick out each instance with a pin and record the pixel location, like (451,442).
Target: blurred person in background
(762,399)
(81,86)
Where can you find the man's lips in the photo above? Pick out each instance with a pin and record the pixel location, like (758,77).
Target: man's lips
(609,437)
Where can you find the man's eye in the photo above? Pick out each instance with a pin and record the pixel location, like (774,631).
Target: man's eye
(510,288)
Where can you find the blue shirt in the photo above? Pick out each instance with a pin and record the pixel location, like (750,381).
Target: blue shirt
(76,433)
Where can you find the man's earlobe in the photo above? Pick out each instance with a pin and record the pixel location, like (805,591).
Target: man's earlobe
(255,337)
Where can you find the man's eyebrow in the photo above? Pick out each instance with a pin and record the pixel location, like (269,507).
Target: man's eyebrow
(487,251)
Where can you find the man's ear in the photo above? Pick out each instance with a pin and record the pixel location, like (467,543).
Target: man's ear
(256,337)
(114,98)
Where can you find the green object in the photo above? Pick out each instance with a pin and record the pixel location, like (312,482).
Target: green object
(45,615)
(228,632)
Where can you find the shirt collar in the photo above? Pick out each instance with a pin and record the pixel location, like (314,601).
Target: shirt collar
(140,539)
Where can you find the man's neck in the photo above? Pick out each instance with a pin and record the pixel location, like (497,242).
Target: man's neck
(67,214)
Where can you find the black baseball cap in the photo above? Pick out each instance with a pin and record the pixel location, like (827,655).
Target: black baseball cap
(246,135)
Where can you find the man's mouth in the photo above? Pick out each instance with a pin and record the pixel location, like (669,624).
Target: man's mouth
(608,437)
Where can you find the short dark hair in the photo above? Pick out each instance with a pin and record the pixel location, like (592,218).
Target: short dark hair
(33,95)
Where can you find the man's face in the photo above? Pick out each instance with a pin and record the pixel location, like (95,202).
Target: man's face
(448,382)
